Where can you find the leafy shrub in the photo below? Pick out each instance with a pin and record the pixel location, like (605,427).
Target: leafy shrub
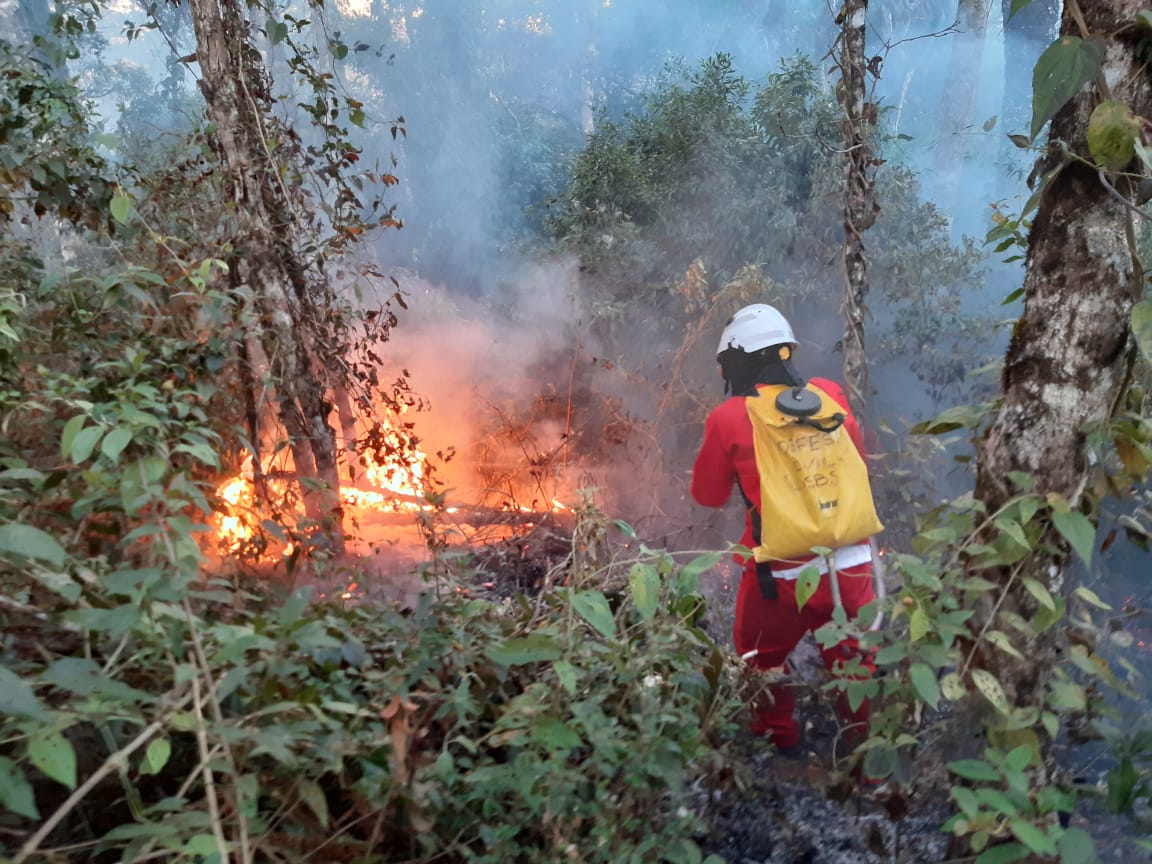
(462,730)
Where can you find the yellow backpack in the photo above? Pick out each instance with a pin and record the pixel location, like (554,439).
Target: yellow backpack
(814,488)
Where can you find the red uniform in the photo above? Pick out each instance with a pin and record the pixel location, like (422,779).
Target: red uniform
(772,628)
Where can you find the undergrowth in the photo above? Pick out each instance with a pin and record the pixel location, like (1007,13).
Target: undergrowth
(205,723)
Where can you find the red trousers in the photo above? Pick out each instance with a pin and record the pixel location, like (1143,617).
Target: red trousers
(772,628)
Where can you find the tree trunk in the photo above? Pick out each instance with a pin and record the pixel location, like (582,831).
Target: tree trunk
(235,87)
(588,73)
(956,123)
(1026,35)
(859,193)
(1064,368)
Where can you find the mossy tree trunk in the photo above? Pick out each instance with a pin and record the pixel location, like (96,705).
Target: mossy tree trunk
(1065,368)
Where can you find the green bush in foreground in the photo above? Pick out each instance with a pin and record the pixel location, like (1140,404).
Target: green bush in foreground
(182,729)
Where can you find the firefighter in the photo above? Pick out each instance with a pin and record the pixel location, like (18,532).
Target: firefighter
(756,348)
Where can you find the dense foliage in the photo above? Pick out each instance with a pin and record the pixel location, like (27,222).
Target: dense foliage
(155,704)
(729,173)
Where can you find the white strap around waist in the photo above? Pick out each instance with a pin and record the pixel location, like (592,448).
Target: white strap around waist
(845,557)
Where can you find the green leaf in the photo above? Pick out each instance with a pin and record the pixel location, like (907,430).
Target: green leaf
(1076,847)
(919,625)
(997,800)
(924,680)
(1045,617)
(806,585)
(356,117)
(987,684)
(54,755)
(644,583)
(956,417)
(16,697)
(966,799)
(1067,65)
(889,654)
(120,207)
(294,606)
(1020,757)
(203,846)
(555,734)
(536,648)
(1112,134)
(974,769)
(1028,507)
(1078,530)
(625,529)
(880,761)
(1123,783)
(1141,324)
(593,607)
(1037,590)
(1014,531)
(71,428)
(278,33)
(115,442)
(29,541)
(1025,482)
(1016,6)
(15,791)
(156,756)
(85,442)
(312,795)
(1032,837)
(1001,640)
(566,675)
(1090,596)
(701,564)
(1003,854)
(952,686)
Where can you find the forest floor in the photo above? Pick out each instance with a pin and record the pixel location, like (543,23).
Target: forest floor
(803,808)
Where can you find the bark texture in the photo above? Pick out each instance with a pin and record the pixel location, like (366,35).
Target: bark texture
(236,90)
(859,193)
(1064,368)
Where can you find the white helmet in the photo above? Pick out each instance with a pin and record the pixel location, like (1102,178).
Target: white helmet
(755,327)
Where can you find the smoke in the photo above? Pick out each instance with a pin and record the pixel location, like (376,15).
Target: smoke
(496,99)
(495,384)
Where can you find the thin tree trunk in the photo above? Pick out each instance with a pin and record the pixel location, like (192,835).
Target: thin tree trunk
(859,193)
(956,123)
(235,88)
(588,75)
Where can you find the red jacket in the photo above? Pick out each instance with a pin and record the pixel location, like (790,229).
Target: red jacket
(728,454)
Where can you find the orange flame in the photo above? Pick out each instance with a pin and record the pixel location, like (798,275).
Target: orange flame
(393,480)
